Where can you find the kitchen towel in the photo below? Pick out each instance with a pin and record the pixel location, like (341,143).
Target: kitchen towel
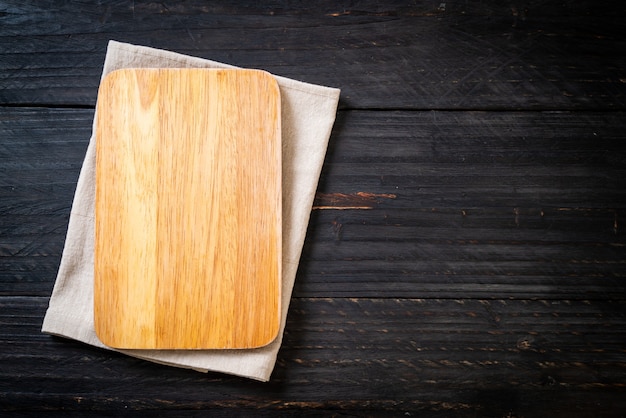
(308,114)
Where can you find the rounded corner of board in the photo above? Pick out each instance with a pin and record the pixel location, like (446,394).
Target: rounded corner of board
(271,80)
(102,336)
(268,78)
(270,338)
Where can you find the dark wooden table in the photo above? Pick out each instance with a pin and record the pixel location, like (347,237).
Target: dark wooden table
(467,252)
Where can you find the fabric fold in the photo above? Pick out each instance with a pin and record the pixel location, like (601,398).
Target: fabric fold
(307,117)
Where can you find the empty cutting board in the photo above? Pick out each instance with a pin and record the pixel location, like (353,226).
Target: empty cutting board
(188,209)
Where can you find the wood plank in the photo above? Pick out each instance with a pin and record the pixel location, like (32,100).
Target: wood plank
(457,224)
(543,55)
(524,358)
(479,159)
(421,254)
(562,150)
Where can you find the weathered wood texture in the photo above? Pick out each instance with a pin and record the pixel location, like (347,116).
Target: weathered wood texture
(351,356)
(426,55)
(516,204)
(466,255)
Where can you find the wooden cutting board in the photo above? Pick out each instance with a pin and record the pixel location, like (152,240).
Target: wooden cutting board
(188,209)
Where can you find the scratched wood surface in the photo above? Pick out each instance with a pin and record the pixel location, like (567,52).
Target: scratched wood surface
(466,253)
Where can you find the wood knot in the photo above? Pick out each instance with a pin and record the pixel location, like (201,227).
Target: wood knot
(525,343)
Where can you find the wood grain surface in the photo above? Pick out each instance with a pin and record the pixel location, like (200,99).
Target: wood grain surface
(466,252)
(188,209)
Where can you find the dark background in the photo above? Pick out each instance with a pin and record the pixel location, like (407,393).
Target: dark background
(466,255)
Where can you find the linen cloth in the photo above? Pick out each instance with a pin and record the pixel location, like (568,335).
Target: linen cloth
(307,116)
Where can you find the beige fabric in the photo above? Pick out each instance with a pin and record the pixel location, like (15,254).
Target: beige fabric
(308,113)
